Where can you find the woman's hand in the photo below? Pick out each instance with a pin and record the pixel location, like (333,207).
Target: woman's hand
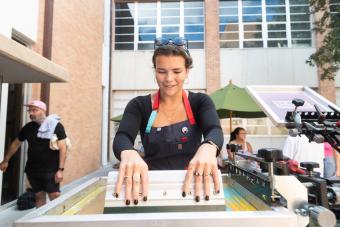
(134,171)
(203,167)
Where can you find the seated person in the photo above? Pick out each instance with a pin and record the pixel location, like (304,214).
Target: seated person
(171,123)
(238,136)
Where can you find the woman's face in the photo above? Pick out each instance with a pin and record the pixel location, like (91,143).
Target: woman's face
(170,74)
(242,134)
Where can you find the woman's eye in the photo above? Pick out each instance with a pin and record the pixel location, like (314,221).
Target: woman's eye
(177,72)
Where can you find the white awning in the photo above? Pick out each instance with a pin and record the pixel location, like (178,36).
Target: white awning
(19,64)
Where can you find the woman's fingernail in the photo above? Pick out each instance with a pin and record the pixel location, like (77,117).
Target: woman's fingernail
(116,195)
(145,198)
(197,198)
(207,197)
(127,202)
(218,192)
(135,201)
(184,194)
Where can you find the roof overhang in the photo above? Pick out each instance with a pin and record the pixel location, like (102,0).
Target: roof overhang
(19,64)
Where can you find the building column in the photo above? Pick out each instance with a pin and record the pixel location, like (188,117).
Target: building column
(212,46)
(5,30)
(327,88)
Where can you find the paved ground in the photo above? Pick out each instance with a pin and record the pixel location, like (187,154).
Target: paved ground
(8,216)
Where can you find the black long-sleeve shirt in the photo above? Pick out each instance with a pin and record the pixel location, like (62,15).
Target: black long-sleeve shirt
(138,111)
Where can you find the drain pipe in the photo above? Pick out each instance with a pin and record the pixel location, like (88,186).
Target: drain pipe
(47,48)
(106,88)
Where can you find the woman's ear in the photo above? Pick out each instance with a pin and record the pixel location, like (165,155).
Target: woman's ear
(187,73)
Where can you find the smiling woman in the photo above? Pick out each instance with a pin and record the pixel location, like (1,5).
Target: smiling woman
(171,123)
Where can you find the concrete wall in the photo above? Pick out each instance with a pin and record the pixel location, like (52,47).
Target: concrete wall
(267,67)
(77,45)
(26,23)
(133,69)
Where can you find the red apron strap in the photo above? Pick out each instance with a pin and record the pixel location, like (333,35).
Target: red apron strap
(187,106)
(156,101)
(188,109)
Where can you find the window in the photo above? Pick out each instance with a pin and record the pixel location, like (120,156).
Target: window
(276,23)
(252,23)
(264,23)
(138,24)
(147,23)
(300,23)
(194,24)
(124,26)
(229,29)
(170,19)
(334,6)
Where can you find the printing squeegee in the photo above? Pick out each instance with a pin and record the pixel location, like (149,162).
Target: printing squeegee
(165,195)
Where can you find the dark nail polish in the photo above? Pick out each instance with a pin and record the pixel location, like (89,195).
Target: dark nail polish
(184,194)
(207,197)
(127,202)
(116,195)
(218,192)
(135,201)
(197,198)
(145,198)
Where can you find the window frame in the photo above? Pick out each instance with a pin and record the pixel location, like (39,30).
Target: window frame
(266,33)
(159,26)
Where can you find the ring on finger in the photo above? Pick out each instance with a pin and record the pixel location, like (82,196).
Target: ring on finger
(136,178)
(208,174)
(196,173)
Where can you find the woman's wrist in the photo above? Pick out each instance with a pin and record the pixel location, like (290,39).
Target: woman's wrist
(127,152)
(212,144)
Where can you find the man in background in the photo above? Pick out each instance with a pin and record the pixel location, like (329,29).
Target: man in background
(44,167)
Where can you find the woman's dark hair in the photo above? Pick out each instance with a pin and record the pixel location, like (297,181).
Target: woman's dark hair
(172,50)
(234,133)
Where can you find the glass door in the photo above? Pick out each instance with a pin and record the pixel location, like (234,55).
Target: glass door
(11,181)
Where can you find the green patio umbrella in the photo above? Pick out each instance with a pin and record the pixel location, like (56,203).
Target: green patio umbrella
(233,101)
(117,118)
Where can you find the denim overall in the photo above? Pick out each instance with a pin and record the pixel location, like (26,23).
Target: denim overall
(171,147)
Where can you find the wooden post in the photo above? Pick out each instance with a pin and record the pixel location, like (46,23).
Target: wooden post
(231,121)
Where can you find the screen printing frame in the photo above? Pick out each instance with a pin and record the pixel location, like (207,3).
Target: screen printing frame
(276,100)
(43,216)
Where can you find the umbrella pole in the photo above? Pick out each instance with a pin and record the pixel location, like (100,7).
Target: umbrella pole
(231,121)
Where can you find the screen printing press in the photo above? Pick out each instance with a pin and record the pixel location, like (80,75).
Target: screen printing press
(248,197)
(237,205)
